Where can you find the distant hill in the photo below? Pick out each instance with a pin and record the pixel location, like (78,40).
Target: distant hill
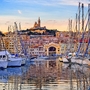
(45,32)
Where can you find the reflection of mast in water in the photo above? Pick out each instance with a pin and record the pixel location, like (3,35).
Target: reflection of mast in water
(39,79)
(71,83)
(15,82)
(38,75)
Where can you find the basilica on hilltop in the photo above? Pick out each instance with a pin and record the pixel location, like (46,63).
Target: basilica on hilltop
(37,25)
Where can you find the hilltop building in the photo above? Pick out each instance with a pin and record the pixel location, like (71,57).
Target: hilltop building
(37,25)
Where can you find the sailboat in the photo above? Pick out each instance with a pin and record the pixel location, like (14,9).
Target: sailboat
(16,60)
(68,56)
(20,56)
(78,58)
(84,57)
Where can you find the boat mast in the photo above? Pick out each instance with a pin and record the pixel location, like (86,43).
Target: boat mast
(70,31)
(79,18)
(78,30)
(87,50)
(19,26)
(76,33)
(76,22)
(82,17)
(16,37)
(71,35)
(83,31)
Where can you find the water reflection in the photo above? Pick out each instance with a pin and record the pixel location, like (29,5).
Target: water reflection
(46,75)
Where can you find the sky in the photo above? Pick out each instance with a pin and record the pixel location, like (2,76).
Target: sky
(54,14)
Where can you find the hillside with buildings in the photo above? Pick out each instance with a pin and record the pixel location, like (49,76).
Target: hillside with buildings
(37,29)
(39,40)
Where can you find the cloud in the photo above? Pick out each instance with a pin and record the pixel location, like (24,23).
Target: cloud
(74,2)
(17,1)
(51,2)
(19,12)
(9,20)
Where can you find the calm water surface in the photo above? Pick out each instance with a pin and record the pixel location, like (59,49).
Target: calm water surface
(45,75)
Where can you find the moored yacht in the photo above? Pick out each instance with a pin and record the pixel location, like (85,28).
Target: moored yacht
(3,59)
(12,61)
(23,58)
(3,63)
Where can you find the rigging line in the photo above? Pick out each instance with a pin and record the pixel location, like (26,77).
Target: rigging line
(86,16)
(83,30)
(78,8)
(77,13)
(86,51)
(82,38)
(84,19)
(88,36)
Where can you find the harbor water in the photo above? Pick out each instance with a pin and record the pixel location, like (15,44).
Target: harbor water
(45,75)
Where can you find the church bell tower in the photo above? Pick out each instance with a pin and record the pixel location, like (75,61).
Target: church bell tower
(39,22)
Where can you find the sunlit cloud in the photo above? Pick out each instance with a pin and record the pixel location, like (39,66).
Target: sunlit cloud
(51,2)
(28,23)
(60,25)
(9,20)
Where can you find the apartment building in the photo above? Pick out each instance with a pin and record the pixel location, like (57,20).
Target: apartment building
(38,45)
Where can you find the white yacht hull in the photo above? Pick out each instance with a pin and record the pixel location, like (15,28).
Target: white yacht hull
(3,64)
(14,62)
